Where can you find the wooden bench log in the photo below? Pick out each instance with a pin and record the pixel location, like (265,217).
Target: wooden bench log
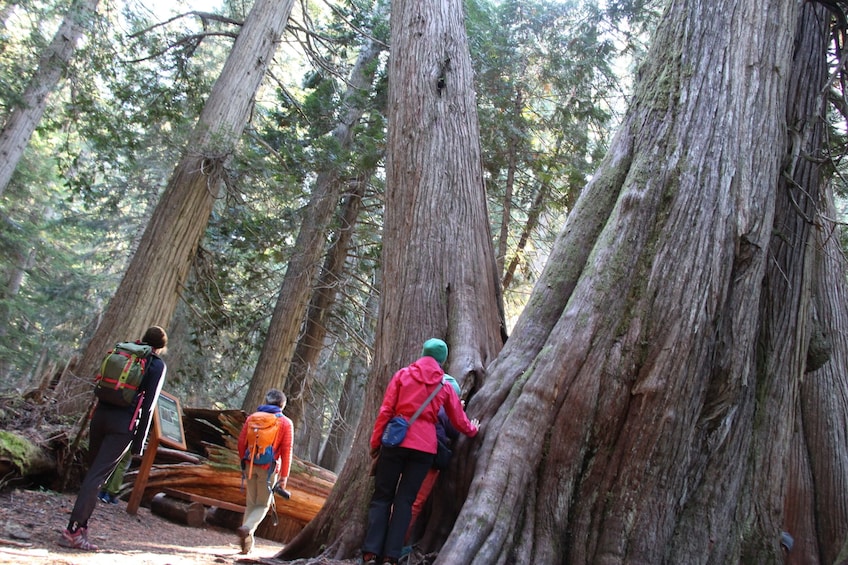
(178,510)
(223,518)
(204,500)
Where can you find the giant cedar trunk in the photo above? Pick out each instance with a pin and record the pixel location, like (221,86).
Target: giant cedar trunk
(439,273)
(24,117)
(287,319)
(150,288)
(620,416)
(824,401)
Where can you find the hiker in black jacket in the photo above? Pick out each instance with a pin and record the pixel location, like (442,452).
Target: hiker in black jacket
(113,430)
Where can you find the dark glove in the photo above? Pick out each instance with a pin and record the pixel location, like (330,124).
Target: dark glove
(375,452)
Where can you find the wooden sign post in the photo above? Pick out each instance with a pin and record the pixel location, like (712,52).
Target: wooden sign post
(168,430)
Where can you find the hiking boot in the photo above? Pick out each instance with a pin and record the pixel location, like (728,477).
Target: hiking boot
(77,540)
(245,539)
(107,498)
(369,559)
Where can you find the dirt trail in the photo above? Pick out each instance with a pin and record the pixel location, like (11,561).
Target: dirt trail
(31,522)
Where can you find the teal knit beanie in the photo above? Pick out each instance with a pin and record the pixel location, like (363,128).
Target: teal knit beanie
(435,348)
(452,381)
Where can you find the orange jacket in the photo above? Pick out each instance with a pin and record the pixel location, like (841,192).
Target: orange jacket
(282,443)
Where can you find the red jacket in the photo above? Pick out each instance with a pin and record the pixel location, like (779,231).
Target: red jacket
(282,443)
(407,391)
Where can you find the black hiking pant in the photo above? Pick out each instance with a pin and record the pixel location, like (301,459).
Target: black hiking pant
(109,438)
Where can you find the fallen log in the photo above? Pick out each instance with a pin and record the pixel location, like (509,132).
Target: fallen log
(224,518)
(19,456)
(309,488)
(216,480)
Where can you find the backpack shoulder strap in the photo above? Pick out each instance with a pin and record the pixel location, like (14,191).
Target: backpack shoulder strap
(426,402)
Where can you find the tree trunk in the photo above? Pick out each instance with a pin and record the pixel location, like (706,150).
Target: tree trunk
(24,117)
(511,150)
(786,310)
(340,437)
(527,229)
(150,288)
(438,258)
(183,512)
(309,346)
(622,417)
(816,504)
(287,319)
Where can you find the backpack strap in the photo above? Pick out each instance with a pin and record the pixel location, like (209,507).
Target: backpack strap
(426,402)
(273,465)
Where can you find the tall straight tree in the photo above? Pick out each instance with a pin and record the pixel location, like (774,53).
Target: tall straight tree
(293,298)
(149,290)
(24,117)
(439,273)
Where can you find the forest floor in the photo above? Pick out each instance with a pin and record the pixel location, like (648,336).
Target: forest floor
(31,523)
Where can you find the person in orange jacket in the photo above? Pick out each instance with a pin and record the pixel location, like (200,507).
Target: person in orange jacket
(262,478)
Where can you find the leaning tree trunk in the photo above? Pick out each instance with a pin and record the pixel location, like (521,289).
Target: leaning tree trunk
(25,116)
(340,438)
(346,418)
(150,288)
(439,272)
(309,346)
(287,319)
(630,379)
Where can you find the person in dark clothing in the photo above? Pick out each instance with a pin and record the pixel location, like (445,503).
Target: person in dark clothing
(445,434)
(401,470)
(114,430)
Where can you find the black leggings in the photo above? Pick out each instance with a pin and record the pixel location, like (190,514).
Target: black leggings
(109,438)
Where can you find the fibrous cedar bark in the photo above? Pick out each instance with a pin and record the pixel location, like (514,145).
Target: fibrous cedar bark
(439,272)
(787,310)
(152,284)
(816,504)
(621,417)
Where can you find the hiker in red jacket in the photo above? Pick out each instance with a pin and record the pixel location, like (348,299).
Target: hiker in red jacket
(400,470)
(260,478)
